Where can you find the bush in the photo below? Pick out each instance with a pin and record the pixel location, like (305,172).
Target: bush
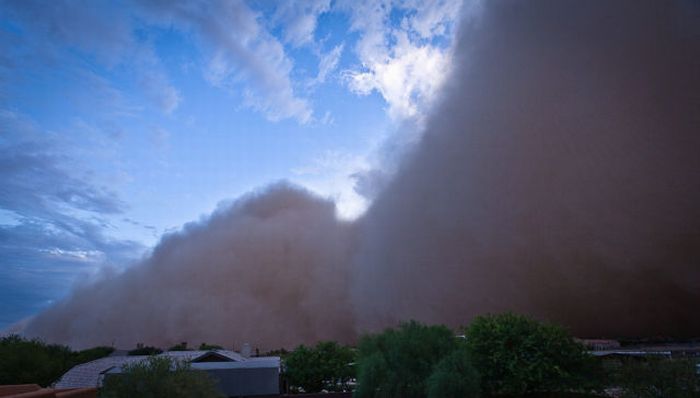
(659,378)
(179,347)
(454,377)
(158,377)
(516,355)
(327,366)
(147,350)
(397,362)
(24,361)
(209,347)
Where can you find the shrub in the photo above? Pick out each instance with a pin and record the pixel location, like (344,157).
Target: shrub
(209,347)
(397,362)
(454,377)
(159,377)
(147,350)
(515,355)
(327,366)
(180,347)
(659,378)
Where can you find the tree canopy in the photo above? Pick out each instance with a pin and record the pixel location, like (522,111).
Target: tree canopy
(24,361)
(454,377)
(327,366)
(145,350)
(159,377)
(515,354)
(397,362)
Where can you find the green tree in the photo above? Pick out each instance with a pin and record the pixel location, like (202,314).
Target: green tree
(32,361)
(159,377)
(327,366)
(91,354)
(454,377)
(24,361)
(180,347)
(515,355)
(145,350)
(397,362)
(209,347)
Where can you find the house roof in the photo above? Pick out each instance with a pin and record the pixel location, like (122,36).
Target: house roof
(88,374)
(193,356)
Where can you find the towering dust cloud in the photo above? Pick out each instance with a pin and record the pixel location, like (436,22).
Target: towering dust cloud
(271,269)
(559,177)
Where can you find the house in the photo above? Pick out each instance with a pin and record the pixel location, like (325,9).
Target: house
(237,376)
(600,344)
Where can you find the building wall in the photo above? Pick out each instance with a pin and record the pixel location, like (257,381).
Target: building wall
(247,382)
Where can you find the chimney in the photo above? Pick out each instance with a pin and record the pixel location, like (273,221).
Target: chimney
(245,350)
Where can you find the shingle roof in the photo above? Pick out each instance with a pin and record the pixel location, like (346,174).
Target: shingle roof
(88,374)
(193,355)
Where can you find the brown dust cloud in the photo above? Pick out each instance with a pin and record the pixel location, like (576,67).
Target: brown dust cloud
(557,176)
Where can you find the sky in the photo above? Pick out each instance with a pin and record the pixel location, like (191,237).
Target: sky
(122,121)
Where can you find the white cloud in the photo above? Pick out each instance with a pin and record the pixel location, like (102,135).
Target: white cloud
(299,19)
(328,63)
(402,62)
(432,17)
(333,174)
(243,50)
(408,80)
(91,256)
(157,87)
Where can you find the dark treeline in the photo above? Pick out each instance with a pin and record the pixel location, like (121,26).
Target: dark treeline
(24,361)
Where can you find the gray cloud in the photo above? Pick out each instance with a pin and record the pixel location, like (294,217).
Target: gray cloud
(58,219)
(104,30)
(35,180)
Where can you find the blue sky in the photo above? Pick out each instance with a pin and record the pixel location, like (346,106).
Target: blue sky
(121,121)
